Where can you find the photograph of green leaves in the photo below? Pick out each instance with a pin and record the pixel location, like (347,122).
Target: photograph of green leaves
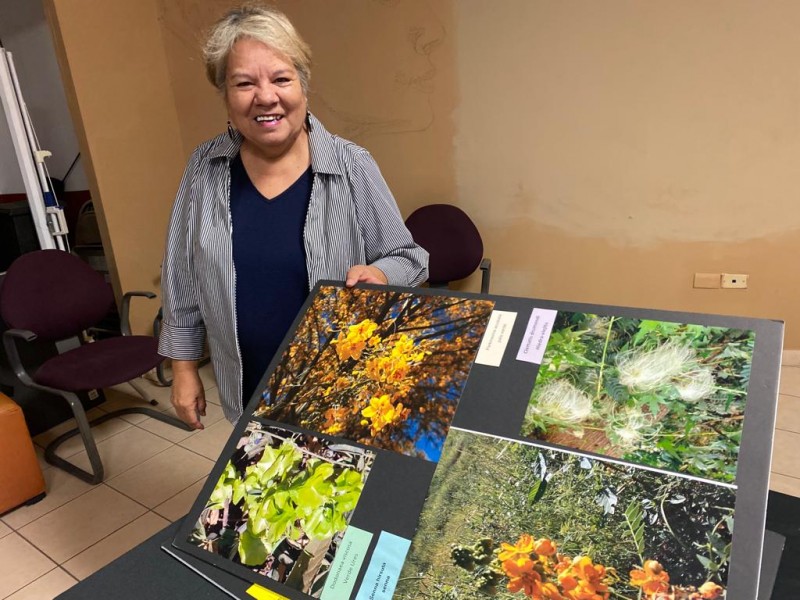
(667,395)
(513,520)
(282,504)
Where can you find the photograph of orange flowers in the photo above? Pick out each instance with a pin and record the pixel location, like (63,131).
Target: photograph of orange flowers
(282,504)
(514,520)
(667,395)
(379,367)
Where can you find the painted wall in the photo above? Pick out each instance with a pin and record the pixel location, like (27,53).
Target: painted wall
(112,58)
(607,151)
(25,33)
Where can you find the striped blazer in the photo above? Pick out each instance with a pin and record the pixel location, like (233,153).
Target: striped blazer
(352,219)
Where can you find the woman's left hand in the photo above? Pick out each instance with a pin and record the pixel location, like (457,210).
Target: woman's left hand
(365,274)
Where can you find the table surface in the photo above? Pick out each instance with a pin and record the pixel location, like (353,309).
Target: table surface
(147,571)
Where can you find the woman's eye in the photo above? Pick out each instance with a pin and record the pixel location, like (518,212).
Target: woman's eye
(243,84)
(282,80)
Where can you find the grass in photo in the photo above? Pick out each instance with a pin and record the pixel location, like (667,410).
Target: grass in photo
(381,368)
(282,504)
(662,394)
(514,521)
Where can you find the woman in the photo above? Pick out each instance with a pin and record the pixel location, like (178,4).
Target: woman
(265,211)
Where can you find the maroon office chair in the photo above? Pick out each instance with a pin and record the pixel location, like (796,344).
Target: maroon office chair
(54,296)
(453,242)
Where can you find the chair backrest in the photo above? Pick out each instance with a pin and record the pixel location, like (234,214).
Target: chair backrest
(451,238)
(53,294)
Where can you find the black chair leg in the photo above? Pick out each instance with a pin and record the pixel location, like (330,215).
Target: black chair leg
(84,429)
(141,391)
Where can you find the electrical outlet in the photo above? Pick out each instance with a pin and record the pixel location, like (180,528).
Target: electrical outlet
(706,281)
(735,281)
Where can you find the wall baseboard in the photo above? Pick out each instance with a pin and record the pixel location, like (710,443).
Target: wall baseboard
(791,358)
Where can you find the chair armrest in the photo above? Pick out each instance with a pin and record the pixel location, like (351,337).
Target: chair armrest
(10,346)
(124,317)
(486,275)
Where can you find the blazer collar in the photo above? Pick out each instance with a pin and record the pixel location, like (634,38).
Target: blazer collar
(322,147)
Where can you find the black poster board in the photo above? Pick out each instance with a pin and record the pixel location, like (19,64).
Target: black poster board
(491,402)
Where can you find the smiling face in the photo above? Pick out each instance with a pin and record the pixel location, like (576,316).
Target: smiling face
(264,98)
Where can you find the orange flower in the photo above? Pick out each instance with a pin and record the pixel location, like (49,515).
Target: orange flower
(521,551)
(652,578)
(333,420)
(710,590)
(381,413)
(522,577)
(352,343)
(544,547)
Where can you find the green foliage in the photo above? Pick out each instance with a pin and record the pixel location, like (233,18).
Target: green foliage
(275,490)
(490,489)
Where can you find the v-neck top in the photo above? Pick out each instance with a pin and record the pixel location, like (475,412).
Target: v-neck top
(270,264)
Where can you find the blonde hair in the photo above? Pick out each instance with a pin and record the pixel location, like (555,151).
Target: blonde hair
(263,24)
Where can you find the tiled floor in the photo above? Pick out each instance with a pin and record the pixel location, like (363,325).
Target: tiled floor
(154,473)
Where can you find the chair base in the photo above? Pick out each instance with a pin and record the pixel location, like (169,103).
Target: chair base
(97,474)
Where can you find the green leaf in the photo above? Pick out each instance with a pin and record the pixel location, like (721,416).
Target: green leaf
(252,551)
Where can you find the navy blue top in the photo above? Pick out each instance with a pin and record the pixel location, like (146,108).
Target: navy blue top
(270,262)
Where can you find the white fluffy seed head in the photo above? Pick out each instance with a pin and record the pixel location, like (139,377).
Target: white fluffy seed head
(645,371)
(628,427)
(696,385)
(561,401)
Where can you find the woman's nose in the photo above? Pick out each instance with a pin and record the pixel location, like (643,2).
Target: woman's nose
(265,94)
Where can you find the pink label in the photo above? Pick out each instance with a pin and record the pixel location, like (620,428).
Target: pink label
(536,335)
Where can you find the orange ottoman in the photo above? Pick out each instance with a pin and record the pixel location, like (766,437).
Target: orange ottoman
(21,478)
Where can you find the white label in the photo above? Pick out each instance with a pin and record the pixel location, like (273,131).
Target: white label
(536,335)
(495,340)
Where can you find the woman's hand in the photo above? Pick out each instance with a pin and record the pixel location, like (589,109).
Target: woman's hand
(188,396)
(365,274)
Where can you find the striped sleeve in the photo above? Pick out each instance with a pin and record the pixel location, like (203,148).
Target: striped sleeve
(387,242)
(183,332)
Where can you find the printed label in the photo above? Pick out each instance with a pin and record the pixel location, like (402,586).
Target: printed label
(495,340)
(384,568)
(536,335)
(346,564)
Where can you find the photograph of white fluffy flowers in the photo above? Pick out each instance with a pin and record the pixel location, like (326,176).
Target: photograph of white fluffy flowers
(667,395)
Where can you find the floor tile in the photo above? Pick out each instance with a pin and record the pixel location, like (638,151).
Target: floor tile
(61,488)
(176,507)
(115,545)
(48,586)
(207,376)
(43,464)
(22,564)
(100,432)
(77,525)
(785,459)
(784,484)
(790,381)
(48,436)
(788,413)
(210,441)
(4,530)
(165,430)
(174,434)
(124,450)
(162,476)
(124,396)
(212,396)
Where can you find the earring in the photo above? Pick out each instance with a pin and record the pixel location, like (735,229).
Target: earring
(231,133)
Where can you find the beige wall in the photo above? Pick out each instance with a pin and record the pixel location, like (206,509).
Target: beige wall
(607,151)
(118,87)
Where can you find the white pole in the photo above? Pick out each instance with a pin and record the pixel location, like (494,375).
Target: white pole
(22,147)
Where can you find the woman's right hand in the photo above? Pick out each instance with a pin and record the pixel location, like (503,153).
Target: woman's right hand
(188,396)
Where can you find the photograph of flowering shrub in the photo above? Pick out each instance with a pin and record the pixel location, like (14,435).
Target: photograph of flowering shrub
(282,504)
(662,394)
(514,521)
(379,367)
